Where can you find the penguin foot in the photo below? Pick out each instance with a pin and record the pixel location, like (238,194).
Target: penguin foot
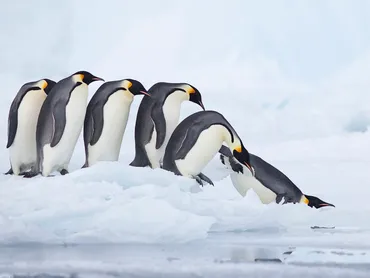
(10,172)
(30,174)
(205,178)
(64,172)
(198,180)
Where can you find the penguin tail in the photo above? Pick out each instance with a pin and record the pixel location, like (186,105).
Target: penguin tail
(85,165)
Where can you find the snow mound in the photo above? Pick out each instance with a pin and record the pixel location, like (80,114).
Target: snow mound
(113,202)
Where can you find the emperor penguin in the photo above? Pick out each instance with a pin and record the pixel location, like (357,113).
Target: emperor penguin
(106,119)
(60,123)
(156,119)
(196,140)
(270,184)
(22,120)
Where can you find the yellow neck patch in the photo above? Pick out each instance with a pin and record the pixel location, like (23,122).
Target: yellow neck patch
(304,200)
(127,84)
(44,84)
(238,149)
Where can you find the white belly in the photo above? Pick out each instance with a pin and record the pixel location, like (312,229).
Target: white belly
(23,150)
(245,182)
(171,111)
(205,148)
(58,158)
(116,113)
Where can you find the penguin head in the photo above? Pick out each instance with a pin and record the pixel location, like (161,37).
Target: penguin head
(242,155)
(134,87)
(194,95)
(86,77)
(47,85)
(315,202)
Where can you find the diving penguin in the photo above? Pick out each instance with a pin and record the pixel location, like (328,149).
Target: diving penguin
(60,123)
(106,119)
(270,184)
(196,140)
(22,120)
(156,119)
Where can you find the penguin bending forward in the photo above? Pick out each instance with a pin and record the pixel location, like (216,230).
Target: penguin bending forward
(23,114)
(270,184)
(156,119)
(60,123)
(106,119)
(196,140)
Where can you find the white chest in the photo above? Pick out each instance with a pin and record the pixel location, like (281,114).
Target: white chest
(23,150)
(171,111)
(245,182)
(115,112)
(203,151)
(60,155)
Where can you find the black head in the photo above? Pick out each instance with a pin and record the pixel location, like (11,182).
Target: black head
(316,202)
(87,77)
(134,87)
(195,96)
(49,85)
(242,155)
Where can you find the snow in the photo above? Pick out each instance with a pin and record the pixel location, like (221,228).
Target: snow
(292,80)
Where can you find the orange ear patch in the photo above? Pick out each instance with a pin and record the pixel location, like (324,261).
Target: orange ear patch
(191,90)
(44,84)
(238,149)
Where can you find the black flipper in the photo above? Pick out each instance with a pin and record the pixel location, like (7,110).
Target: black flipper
(190,138)
(225,151)
(159,124)
(141,158)
(97,115)
(59,122)
(205,178)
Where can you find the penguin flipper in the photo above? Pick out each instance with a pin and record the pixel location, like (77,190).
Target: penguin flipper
(159,124)
(96,122)
(141,158)
(12,124)
(190,139)
(59,122)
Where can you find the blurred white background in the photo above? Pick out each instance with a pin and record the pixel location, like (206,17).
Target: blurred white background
(276,69)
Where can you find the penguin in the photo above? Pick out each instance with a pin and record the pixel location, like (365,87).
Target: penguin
(270,184)
(156,119)
(106,119)
(60,123)
(196,140)
(22,120)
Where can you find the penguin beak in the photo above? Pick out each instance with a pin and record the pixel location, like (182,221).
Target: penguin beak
(95,78)
(326,205)
(201,105)
(250,168)
(144,93)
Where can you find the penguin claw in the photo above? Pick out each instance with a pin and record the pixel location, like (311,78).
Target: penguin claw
(10,172)
(64,172)
(197,178)
(30,174)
